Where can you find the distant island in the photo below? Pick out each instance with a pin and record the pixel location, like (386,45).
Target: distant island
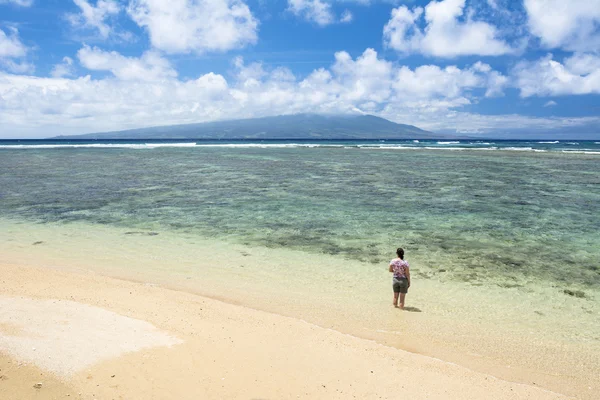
(298,126)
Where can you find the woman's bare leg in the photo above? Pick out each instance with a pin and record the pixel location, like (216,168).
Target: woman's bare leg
(396,299)
(402,296)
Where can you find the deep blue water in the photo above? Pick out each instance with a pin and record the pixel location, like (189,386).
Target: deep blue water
(584,146)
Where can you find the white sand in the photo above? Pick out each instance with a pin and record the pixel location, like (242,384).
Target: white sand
(65,337)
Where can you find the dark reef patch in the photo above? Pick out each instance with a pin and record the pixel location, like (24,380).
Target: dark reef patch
(575,293)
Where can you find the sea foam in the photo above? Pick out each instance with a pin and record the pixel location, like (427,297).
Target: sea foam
(96,146)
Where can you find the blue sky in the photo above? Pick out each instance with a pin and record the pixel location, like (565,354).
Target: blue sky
(484,66)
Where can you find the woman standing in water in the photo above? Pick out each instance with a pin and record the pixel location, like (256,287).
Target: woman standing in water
(401,280)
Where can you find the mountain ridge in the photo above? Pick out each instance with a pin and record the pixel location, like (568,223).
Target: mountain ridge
(295,126)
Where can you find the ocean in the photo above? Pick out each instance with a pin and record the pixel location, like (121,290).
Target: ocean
(502,236)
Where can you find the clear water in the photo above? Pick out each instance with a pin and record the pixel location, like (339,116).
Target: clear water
(485,217)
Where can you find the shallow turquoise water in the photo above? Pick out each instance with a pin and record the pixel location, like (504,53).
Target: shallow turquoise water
(492,218)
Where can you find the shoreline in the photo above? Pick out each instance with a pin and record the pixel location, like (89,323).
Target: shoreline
(519,345)
(231,351)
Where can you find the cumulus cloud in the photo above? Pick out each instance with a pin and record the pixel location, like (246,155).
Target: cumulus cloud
(65,68)
(366,79)
(577,74)
(17,67)
(10,45)
(346,17)
(450,82)
(13,52)
(38,107)
(572,25)
(150,67)
(316,11)
(145,91)
(95,17)
(320,11)
(195,26)
(22,3)
(445,34)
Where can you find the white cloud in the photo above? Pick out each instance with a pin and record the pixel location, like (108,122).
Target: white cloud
(37,107)
(13,52)
(94,17)
(465,122)
(65,68)
(150,67)
(346,17)
(444,35)
(366,79)
(321,12)
(449,83)
(578,74)
(316,11)
(145,91)
(17,67)
(550,103)
(493,4)
(572,25)
(11,46)
(198,26)
(401,33)
(583,64)
(22,3)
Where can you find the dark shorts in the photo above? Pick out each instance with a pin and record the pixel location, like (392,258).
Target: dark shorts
(400,285)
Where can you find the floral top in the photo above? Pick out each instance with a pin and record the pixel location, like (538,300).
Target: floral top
(399,267)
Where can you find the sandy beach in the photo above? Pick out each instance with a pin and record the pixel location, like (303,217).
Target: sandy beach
(86,336)
(205,199)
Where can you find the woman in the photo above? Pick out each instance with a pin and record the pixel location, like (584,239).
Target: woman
(401,280)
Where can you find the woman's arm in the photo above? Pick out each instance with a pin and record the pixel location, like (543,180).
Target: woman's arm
(408,275)
(391,269)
